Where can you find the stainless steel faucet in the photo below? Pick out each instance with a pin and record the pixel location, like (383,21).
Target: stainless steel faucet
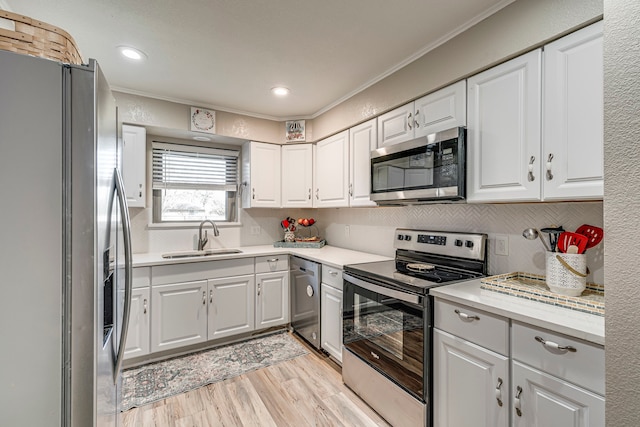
(203,241)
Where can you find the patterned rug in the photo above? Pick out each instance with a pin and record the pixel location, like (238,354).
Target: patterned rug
(156,381)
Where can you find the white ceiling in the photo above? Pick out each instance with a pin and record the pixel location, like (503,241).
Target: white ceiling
(228,54)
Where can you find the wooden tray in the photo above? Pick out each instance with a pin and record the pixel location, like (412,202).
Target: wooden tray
(282,244)
(534,287)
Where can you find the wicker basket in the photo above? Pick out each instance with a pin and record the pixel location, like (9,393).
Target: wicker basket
(37,38)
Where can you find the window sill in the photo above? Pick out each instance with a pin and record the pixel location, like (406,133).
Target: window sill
(189,225)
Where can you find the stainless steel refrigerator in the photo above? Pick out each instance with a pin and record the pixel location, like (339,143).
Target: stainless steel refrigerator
(65,268)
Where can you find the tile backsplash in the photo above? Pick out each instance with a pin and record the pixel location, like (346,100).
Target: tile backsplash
(372,229)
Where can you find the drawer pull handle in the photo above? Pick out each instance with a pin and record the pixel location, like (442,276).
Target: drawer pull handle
(555,346)
(499,391)
(465,316)
(273,260)
(375,356)
(516,401)
(333,273)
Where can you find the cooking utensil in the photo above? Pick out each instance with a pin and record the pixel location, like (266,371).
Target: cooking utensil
(593,233)
(553,232)
(532,234)
(568,240)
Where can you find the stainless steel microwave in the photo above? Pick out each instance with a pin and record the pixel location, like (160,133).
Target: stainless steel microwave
(429,169)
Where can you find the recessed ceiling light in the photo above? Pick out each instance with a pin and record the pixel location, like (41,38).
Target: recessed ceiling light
(280,91)
(132,53)
(201,138)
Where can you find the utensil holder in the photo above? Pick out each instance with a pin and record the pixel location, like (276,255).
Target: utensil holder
(566,273)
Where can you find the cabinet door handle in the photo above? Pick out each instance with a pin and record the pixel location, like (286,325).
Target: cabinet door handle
(350,190)
(531,161)
(253,193)
(204,297)
(309,193)
(549,174)
(499,391)
(211,296)
(144,306)
(516,401)
(555,346)
(259,289)
(317,195)
(409,121)
(465,316)
(415,119)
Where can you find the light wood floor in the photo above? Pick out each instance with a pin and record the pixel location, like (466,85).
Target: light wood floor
(305,391)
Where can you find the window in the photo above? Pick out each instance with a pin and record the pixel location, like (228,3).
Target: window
(192,183)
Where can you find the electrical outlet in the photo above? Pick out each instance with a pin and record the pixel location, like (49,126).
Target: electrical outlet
(347,231)
(255,230)
(502,245)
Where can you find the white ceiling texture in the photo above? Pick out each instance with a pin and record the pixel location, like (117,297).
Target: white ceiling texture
(228,54)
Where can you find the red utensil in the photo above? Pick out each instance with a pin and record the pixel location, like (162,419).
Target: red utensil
(567,239)
(593,233)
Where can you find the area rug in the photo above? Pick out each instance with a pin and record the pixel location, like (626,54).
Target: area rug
(157,381)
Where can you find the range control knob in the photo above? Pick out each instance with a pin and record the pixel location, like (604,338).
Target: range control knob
(407,237)
(458,242)
(469,244)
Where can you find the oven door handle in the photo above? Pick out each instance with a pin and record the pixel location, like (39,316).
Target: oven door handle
(391,293)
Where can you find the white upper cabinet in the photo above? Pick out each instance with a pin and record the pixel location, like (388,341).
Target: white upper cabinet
(362,140)
(260,175)
(441,110)
(332,171)
(435,112)
(537,134)
(572,115)
(396,126)
(503,139)
(297,175)
(134,162)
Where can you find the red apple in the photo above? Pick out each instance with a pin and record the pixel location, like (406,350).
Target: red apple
(311,221)
(305,222)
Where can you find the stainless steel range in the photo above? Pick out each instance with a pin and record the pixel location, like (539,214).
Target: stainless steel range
(388,319)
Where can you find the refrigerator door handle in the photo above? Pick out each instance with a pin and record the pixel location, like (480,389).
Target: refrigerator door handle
(128,270)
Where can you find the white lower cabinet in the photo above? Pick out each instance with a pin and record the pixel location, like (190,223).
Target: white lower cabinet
(138,332)
(272,299)
(470,381)
(231,306)
(179,315)
(557,380)
(542,400)
(331,320)
(138,335)
(536,378)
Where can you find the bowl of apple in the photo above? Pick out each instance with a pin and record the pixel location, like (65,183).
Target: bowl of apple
(308,230)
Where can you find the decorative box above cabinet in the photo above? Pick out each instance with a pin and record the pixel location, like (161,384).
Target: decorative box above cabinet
(437,111)
(260,175)
(134,162)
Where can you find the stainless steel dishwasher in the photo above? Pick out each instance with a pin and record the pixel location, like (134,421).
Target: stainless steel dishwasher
(305,299)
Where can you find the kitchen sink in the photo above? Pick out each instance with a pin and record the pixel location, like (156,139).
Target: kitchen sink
(204,253)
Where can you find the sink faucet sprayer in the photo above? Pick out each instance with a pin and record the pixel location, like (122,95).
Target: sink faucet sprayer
(203,241)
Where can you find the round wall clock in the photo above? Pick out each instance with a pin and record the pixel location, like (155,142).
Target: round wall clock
(203,120)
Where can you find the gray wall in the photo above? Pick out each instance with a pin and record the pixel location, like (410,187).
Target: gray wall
(518,27)
(621,207)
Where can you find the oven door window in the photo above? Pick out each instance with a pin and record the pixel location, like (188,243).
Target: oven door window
(387,333)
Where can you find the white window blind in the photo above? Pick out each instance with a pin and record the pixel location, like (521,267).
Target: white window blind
(192,167)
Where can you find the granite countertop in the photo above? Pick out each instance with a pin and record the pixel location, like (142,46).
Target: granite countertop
(580,325)
(329,255)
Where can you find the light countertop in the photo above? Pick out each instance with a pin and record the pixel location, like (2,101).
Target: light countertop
(329,255)
(580,325)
